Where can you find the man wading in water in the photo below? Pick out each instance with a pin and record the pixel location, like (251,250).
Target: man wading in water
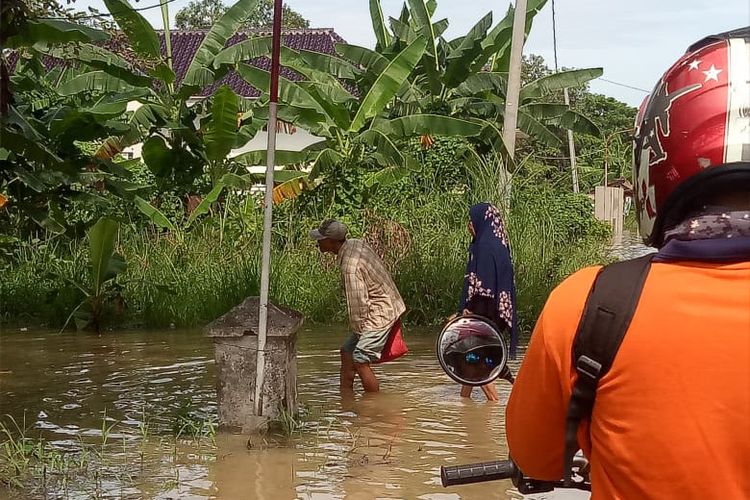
(372,299)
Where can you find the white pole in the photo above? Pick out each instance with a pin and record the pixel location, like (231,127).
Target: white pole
(265,270)
(571,144)
(571,148)
(265,262)
(514,78)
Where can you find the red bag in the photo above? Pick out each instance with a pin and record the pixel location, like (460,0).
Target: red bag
(395,347)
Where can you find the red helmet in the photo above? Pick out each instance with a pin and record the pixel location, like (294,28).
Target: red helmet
(692,134)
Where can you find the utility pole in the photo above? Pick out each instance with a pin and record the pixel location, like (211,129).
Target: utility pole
(571,148)
(510,119)
(566,98)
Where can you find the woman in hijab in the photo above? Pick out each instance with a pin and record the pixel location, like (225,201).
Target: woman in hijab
(489,289)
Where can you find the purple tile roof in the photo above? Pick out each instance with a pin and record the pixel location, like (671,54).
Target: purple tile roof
(185,43)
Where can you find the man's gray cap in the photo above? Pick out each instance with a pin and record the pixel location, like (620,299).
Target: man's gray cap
(330,229)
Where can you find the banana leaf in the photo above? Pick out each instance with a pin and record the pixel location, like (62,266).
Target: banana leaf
(105,263)
(100,59)
(536,129)
(497,43)
(222,130)
(140,121)
(331,65)
(44,32)
(544,110)
(153,214)
(388,83)
(483,82)
(140,33)
(94,81)
(559,81)
(325,161)
(369,60)
(199,73)
(458,64)
(206,203)
(378,24)
(289,92)
(421,124)
(421,14)
(578,123)
(244,51)
(402,31)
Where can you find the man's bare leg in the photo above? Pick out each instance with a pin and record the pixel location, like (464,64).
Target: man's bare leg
(466,391)
(347,372)
(491,392)
(369,380)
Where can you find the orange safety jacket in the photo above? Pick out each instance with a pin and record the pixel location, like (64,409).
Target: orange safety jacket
(672,416)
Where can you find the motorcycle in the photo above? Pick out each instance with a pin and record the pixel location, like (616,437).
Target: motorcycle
(472,351)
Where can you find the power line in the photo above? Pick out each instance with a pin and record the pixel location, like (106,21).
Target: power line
(624,85)
(110,14)
(554,51)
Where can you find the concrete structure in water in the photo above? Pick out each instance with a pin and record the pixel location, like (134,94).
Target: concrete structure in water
(235,337)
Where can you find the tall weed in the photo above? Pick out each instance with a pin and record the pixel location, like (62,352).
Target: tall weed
(188,278)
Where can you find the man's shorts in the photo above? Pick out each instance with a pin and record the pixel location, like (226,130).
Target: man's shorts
(366,347)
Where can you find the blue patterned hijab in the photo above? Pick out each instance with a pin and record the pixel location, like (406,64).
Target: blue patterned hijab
(489,289)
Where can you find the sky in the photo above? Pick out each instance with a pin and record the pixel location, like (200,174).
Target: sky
(635,41)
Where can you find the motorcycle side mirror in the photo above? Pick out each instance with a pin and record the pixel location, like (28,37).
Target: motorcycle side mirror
(472,351)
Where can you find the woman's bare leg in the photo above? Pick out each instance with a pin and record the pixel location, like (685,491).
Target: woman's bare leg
(491,392)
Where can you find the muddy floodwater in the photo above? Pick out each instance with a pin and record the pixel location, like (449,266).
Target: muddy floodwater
(123,396)
(130,387)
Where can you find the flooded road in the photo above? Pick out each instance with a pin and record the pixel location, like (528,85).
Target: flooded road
(628,245)
(125,393)
(127,388)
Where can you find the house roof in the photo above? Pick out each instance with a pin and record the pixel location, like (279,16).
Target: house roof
(185,44)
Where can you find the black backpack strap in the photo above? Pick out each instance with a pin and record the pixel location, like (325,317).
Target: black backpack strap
(606,318)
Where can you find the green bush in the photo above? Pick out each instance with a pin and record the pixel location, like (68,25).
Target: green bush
(188,278)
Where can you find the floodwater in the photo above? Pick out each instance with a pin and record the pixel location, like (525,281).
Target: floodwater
(628,245)
(124,391)
(388,445)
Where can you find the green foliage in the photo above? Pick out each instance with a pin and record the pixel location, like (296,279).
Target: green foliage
(194,278)
(191,422)
(410,139)
(201,14)
(139,31)
(611,146)
(221,132)
(387,84)
(105,266)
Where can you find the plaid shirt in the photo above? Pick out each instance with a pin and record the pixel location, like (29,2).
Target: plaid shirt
(371,296)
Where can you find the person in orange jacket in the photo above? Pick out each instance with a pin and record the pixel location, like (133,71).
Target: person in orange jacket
(671,419)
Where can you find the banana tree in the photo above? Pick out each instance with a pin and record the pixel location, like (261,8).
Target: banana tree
(466,77)
(182,140)
(362,144)
(105,266)
(43,166)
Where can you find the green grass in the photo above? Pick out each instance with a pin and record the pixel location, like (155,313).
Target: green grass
(190,278)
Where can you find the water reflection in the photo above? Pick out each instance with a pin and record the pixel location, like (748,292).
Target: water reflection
(387,445)
(629,245)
